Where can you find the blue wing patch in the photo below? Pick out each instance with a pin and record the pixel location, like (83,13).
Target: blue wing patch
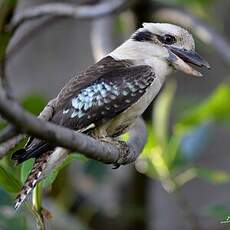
(97,94)
(106,97)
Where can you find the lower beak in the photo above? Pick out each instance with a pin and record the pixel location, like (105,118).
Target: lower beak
(180,57)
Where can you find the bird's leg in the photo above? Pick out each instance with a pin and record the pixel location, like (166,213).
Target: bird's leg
(123,148)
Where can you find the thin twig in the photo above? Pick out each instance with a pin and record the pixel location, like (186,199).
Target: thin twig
(69,10)
(202,30)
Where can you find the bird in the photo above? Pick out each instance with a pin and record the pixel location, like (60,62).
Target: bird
(106,99)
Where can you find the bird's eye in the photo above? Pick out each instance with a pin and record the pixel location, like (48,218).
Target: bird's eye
(167,39)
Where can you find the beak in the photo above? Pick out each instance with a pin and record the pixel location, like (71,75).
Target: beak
(180,57)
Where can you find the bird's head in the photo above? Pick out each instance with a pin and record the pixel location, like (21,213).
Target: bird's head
(171,44)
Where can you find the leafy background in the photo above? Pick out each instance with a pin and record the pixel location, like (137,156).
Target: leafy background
(182,128)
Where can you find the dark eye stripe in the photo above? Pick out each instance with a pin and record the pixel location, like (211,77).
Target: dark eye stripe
(143,36)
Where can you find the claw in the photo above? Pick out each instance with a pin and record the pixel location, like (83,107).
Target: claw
(116,166)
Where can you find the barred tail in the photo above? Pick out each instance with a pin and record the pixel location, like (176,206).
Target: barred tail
(33,178)
(42,167)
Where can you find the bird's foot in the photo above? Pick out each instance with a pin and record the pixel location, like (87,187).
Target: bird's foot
(123,148)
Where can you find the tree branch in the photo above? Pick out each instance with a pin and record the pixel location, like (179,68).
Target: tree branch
(60,136)
(9,145)
(69,10)
(3,78)
(101,37)
(23,35)
(10,137)
(203,31)
(19,40)
(8,133)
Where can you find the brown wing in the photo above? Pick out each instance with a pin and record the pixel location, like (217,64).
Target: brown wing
(104,98)
(82,80)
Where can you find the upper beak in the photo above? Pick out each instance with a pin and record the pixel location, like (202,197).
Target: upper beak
(179,57)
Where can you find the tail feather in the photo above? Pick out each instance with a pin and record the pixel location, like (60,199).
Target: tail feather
(19,156)
(33,178)
(34,151)
(41,168)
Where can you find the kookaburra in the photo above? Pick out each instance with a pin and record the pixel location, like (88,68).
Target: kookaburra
(106,99)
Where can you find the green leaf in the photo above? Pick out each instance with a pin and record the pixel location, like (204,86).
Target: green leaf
(161,112)
(8,181)
(151,142)
(34,103)
(52,176)
(25,169)
(12,222)
(172,150)
(215,108)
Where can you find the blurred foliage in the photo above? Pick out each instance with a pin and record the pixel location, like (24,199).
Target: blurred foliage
(191,3)
(8,219)
(11,177)
(216,108)
(217,212)
(164,155)
(34,103)
(48,181)
(3,43)
(8,181)
(201,8)
(164,158)
(213,176)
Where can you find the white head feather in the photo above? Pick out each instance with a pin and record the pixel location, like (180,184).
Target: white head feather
(154,52)
(184,38)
